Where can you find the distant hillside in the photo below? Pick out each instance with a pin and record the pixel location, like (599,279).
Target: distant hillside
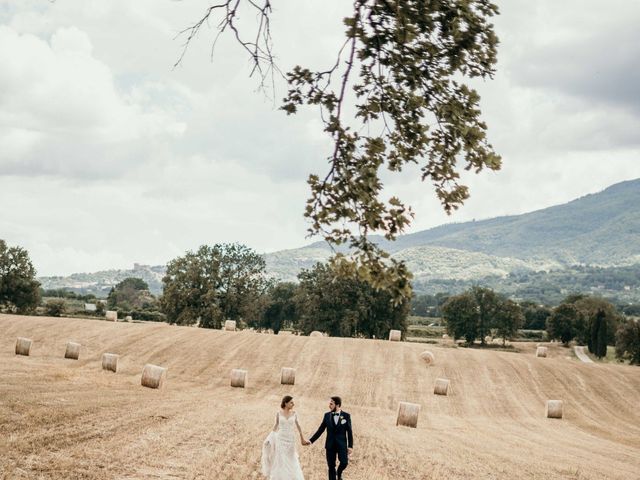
(100,283)
(516,254)
(598,229)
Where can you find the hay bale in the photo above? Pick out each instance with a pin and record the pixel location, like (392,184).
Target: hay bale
(230,325)
(316,333)
(287,376)
(73,351)
(111,316)
(487,339)
(441,387)
(128,318)
(445,336)
(239,378)
(395,335)
(554,409)
(428,357)
(23,346)
(110,362)
(153,376)
(541,352)
(408,414)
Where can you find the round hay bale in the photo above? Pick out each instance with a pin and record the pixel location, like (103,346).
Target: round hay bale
(72,351)
(110,362)
(541,352)
(408,414)
(441,387)
(23,346)
(316,333)
(287,376)
(395,335)
(111,316)
(239,378)
(128,318)
(445,336)
(153,376)
(230,325)
(428,357)
(487,339)
(554,409)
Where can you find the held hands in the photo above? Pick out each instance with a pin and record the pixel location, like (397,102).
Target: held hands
(306,442)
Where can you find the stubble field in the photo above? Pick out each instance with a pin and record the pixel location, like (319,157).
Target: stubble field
(67,419)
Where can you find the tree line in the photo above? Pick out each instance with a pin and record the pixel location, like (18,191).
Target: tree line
(230,282)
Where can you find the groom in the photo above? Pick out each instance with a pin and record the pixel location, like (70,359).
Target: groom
(339,441)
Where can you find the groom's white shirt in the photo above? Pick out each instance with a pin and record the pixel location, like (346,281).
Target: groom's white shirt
(336,418)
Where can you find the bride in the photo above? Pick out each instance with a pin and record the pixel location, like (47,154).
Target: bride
(279,456)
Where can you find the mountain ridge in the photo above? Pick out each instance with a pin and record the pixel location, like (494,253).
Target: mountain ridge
(599,229)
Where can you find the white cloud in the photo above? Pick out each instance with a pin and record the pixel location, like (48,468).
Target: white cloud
(109,156)
(61,113)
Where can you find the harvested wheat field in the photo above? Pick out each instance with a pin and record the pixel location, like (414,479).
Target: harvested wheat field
(69,419)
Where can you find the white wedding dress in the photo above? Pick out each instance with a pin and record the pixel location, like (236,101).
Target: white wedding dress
(279,455)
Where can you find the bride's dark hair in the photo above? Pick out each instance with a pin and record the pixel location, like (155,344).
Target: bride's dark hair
(286,399)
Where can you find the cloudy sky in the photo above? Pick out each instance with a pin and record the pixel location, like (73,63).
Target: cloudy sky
(109,155)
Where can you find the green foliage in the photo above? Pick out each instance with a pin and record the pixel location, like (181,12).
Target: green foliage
(598,337)
(401,71)
(590,320)
(508,318)
(281,311)
(100,309)
(55,307)
(144,315)
(131,294)
(65,293)
(215,283)
(19,290)
(428,305)
(628,341)
(461,314)
(564,322)
(535,316)
(473,314)
(345,307)
(410,60)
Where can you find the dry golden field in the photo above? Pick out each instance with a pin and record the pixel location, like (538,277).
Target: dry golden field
(67,419)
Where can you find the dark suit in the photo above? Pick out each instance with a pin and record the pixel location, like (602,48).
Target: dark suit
(339,438)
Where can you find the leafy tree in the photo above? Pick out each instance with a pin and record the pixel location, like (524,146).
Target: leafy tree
(100,308)
(508,318)
(281,307)
(428,305)
(131,294)
(488,303)
(535,316)
(55,307)
(19,289)
(601,338)
(474,313)
(345,307)
(401,72)
(598,338)
(215,283)
(590,307)
(461,314)
(562,324)
(628,341)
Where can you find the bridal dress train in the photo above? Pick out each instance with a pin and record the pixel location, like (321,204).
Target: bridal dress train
(279,455)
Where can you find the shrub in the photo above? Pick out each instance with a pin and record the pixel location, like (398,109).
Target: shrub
(55,307)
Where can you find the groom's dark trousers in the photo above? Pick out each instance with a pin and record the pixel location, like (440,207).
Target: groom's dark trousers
(339,438)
